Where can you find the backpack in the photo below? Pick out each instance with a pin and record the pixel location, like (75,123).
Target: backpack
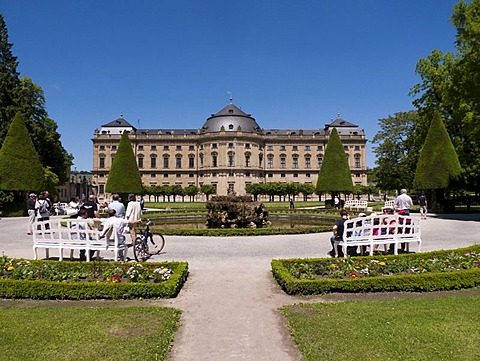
(43,207)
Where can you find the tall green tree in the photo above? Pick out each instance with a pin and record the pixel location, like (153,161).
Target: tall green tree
(9,80)
(21,94)
(334,175)
(450,84)
(124,176)
(397,146)
(438,165)
(20,167)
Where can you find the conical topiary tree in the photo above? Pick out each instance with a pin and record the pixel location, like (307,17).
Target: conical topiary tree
(438,163)
(124,176)
(334,175)
(20,167)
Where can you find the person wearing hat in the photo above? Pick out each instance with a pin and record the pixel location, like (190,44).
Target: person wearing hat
(32,198)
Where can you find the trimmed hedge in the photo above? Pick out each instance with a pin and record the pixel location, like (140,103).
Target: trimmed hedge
(423,282)
(83,290)
(235,232)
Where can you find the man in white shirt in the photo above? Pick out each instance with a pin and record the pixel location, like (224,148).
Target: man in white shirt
(403,203)
(117,206)
(119,224)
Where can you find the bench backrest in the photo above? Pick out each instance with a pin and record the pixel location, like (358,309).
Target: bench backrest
(72,231)
(389,204)
(381,227)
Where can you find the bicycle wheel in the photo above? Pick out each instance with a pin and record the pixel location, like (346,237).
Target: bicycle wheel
(158,242)
(140,249)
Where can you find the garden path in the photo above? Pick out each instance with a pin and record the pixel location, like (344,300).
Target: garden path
(230,302)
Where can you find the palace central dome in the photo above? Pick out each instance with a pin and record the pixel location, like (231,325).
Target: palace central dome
(232,119)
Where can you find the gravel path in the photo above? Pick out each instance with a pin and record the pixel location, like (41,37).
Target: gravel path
(230,302)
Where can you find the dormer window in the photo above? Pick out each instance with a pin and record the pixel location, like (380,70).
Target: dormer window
(230,126)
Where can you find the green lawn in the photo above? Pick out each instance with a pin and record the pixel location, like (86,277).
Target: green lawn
(415,329)
(76,333)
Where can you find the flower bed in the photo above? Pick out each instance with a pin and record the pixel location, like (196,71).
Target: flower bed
(20,278)
(440,270)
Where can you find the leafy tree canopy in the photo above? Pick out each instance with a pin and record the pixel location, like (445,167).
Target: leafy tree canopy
(22,95)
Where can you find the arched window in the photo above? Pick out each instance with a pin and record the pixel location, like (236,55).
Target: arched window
(357,161)
(140,161)
(191,161)
(153,161)
(308,161)
(166,159)
(214,159)
(247,159)
(231,159)
(178,161)
(319,160)
(295,161)
(283,161)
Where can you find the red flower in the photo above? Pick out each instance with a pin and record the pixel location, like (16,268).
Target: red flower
(299,270)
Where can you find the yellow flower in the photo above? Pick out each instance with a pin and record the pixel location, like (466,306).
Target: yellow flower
(10,268)
(382,263)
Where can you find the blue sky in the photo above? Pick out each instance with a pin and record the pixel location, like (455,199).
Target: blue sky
(170,64)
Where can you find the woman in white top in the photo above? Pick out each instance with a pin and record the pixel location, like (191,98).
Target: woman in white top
(133,213)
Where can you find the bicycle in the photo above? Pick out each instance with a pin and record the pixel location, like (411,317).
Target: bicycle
(141,248)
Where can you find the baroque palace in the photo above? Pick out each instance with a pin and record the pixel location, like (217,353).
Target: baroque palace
(229,151)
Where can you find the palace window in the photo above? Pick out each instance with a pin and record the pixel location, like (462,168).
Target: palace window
(270,161)
(308,163)
(153,161)
(231,159)
(140,161)
(357,161)
(283,161)
(214,160)
(307,148)
(101,162)
(178,161)
(165,148)
(166,159)
(191,161)
(295,161)
(319,161)
(247,159)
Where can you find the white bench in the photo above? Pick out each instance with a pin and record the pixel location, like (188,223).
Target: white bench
(380,229)
(74,234)
(356,204)
(388,204)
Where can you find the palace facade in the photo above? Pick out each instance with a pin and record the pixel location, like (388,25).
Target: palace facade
(229,151)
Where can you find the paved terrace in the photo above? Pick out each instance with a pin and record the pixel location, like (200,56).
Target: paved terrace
(230,301)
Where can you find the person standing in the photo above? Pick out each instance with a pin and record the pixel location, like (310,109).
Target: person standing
(117,206)
(292,205)
(91,207)
(403,203)
(43,208)
(336,202)
(422,201)
(133,213)
(31,212)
